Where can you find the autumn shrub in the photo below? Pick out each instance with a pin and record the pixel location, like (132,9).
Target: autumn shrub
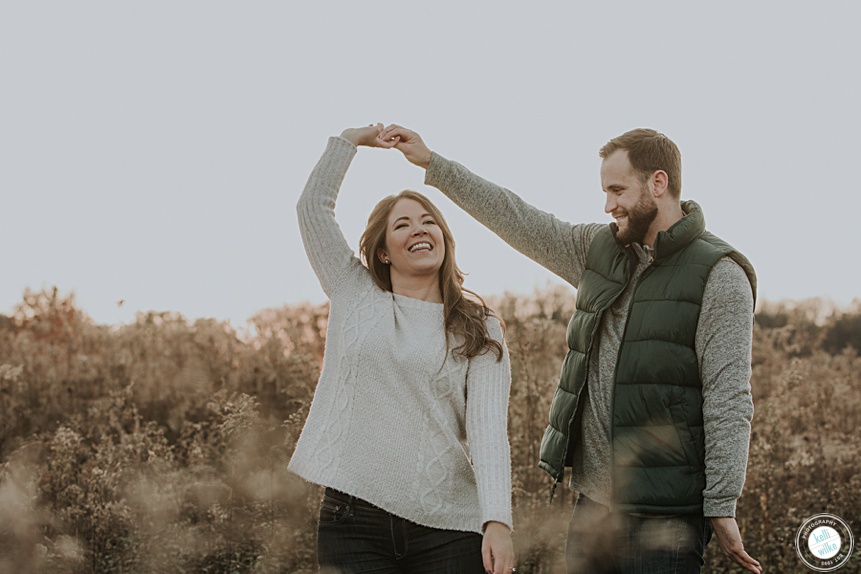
(804,446)
(844,331)
(143,448)
(162,444)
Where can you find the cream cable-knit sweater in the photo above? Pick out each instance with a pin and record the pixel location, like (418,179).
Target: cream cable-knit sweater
(394,420)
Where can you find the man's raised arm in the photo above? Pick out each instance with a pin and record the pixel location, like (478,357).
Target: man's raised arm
(555,244)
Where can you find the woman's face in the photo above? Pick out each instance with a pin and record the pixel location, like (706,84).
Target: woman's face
(414,242)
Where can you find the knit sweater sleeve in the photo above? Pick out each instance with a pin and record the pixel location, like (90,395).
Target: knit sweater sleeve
(559,246)
(488,382)
(328,252)
(723,345)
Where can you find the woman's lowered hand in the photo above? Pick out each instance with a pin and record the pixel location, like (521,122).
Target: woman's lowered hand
(497,550)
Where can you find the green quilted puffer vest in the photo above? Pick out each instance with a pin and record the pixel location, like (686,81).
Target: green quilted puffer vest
(657,423)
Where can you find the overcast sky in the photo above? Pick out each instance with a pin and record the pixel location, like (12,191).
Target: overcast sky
(153,152)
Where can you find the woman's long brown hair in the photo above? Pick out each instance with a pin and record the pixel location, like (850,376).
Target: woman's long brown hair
(464,310)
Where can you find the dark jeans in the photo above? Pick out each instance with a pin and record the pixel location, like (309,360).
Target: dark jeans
(600,541)
(355,536)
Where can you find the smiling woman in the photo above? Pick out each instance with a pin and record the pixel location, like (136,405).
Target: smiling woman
(412,237)
(407,429)
(409,250)
(404,246)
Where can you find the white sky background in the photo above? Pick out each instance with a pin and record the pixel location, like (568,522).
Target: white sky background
(153,152)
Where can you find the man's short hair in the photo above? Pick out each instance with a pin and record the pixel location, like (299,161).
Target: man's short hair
(648,152)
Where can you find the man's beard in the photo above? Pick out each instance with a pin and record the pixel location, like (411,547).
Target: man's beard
(640,217)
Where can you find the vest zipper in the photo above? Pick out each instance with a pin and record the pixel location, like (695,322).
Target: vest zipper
(615,374)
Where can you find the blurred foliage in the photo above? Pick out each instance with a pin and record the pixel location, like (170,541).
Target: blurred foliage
(162,445)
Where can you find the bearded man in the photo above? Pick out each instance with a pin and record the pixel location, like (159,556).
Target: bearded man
(652,412)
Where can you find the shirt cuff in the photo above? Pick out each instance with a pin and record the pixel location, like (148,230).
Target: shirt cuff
(433,174)
(719,507)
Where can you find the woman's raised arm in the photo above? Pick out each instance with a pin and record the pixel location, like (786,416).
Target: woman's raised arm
(328,252)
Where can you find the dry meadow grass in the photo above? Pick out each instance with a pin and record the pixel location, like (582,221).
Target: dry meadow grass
(161,445)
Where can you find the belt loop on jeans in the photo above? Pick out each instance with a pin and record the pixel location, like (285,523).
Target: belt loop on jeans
(353,501)
(338,495)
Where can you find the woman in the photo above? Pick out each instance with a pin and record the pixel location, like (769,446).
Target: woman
(407,429)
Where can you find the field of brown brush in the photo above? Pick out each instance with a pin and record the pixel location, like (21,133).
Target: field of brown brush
(161,445)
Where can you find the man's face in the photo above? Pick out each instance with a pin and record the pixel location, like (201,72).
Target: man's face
(629,201)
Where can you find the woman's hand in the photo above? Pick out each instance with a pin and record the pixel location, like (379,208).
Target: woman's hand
(407,142)
(364,136)
(497,550)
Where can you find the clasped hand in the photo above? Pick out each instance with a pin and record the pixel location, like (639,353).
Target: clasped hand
(406,141)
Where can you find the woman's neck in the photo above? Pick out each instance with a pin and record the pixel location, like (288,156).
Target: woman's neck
(424,288)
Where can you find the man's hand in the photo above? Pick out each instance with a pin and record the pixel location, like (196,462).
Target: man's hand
(407,142)
(729,538)
(364,136)
(497,550)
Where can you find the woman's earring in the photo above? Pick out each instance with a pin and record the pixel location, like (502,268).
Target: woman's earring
(387,261)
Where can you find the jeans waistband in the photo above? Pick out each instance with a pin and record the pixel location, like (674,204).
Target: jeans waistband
(350,499)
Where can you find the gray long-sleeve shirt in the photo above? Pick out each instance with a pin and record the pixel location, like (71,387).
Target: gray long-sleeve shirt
(723,338)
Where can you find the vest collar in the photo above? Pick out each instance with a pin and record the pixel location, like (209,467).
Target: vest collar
(681,233)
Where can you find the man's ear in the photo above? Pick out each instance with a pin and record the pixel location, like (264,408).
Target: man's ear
(660,182)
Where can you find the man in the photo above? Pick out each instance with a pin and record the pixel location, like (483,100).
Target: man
(653,408)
